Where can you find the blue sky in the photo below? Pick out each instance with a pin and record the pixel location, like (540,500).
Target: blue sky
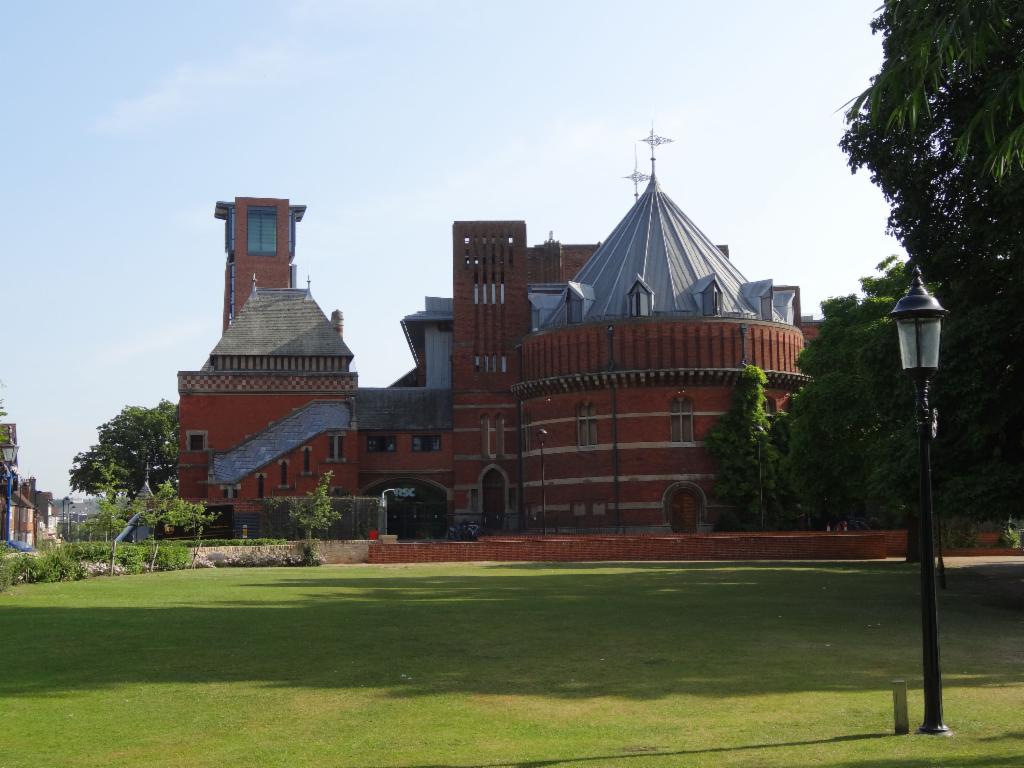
(125,122)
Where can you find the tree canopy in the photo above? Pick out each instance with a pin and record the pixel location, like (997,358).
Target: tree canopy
(130,441)
(938,132)
(740,442)
(851,447)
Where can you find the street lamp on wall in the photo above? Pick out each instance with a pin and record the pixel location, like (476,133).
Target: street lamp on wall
(541,437)
(918,317)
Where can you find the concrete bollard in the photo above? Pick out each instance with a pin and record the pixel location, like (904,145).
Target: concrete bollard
(901,719)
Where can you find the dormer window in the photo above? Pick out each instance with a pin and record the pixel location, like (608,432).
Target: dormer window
(573,308)
(766,307)
(712,300)
(640,299)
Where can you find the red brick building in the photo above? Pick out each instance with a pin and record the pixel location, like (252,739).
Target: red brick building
(562,386)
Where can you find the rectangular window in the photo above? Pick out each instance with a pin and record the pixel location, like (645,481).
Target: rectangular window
(197,441)
(380,443)
(335,446)
(579,509)
(426,443)
(474,500)
(598,508)
(262,228)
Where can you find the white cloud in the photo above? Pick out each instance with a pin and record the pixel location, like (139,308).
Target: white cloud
(191,87)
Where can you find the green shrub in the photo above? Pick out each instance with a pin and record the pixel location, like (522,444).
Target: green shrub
(56,564)
(12,570)
(173,557)
(89,551)
(1009,537)
(133,558)
(311,554)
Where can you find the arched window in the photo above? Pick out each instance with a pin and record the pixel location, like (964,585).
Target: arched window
(681,420)
(259,486)
(499,428)
(586,425)
(284,473)
(305,460)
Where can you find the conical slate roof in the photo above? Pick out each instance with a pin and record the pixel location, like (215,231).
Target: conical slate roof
(657,249)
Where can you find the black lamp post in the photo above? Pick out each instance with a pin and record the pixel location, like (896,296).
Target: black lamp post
(918,317)
(10,456)
(541,435)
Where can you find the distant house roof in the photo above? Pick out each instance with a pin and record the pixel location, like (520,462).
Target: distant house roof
(279,439)
(404,409)
(281,321)
(657,244)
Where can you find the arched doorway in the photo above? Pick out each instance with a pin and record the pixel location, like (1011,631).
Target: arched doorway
(493,502)
(684,509)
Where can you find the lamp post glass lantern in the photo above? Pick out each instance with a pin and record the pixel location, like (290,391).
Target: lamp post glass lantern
(918,317)
(10,456)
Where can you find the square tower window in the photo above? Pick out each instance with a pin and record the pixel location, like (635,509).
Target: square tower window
(262,228)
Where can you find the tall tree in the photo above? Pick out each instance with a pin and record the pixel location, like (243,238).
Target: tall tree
(130,441)
(739,442)
(940,130)
(851,446)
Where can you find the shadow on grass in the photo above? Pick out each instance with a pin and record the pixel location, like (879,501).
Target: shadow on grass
(637,758)
(636,631)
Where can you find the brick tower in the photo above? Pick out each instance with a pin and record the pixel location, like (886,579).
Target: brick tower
(259,239)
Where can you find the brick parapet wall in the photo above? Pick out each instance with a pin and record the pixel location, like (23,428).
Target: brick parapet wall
(646,344)
(733,546)
(264,382)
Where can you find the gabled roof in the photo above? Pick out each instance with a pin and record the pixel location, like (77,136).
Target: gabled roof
(659,245)
(281,321)
(404,409)
(280,438)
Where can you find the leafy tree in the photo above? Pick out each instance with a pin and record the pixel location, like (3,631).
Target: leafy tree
(133,439)
(164,508)
(747,459)
(934,47)
(113,512)
(939,135)
(315,512)
(850,426)
(192,516)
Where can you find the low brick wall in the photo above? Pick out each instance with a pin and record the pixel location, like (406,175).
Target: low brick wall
(868,545)
(988,544)
(345,552)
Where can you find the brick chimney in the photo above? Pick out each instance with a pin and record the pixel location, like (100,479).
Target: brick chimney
(338,321)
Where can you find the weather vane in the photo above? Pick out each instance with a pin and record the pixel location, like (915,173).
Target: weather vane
(654,141)
(636,177)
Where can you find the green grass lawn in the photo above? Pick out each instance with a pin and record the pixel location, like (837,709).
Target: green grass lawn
(638,665)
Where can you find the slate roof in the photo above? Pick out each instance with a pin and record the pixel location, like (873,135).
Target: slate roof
(279,439)
(657,243)
(281,321)
(404,409)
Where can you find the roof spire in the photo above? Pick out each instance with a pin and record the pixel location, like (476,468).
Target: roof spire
(253,283)
(654,141)
(308,284)
(636,177)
